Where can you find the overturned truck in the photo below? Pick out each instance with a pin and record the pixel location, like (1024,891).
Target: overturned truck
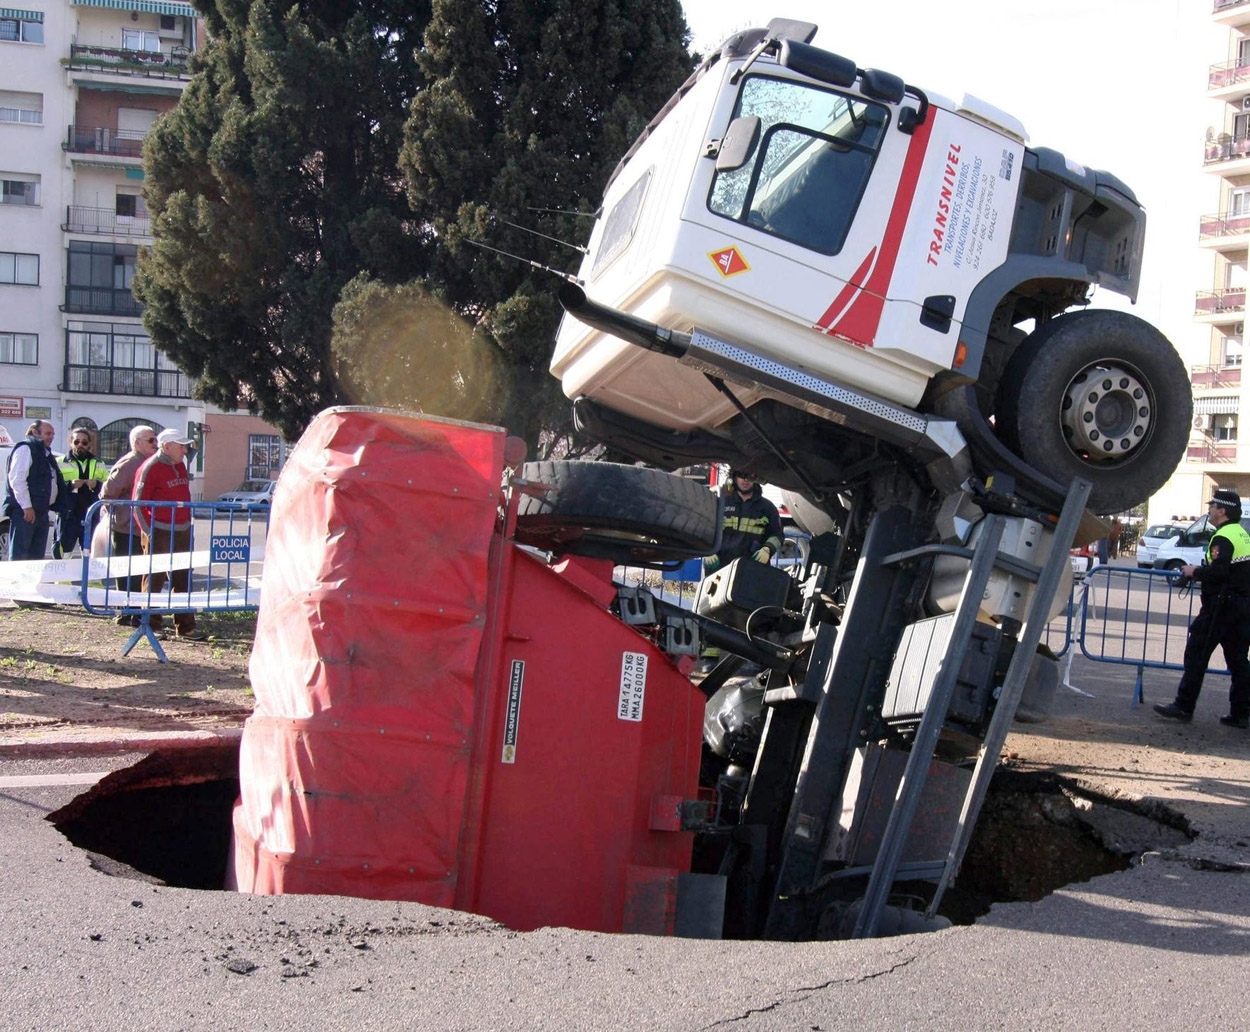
(871,297)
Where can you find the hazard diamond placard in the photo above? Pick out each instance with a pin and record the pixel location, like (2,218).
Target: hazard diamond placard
(729,261)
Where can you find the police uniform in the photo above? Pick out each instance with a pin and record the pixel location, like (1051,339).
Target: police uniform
(1223,620)
(72,530)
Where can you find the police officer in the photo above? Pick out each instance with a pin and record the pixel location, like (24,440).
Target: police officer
(752,523)
(84,475)
(1224,618)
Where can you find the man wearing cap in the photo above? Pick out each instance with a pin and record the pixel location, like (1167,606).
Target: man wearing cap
(1224,618)
(166,529)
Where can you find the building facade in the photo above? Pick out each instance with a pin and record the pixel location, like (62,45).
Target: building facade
(81,83)
(1216,455)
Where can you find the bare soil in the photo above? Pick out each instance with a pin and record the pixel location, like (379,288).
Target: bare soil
(62,673)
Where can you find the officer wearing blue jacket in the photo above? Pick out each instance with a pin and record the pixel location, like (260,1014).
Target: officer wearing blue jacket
(1224,619)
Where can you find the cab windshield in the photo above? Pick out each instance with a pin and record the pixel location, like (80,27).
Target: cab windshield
(806,178)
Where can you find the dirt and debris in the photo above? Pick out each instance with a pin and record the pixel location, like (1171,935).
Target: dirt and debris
(62,672)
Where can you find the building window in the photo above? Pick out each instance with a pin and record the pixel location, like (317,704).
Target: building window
(23,108)
(19,268)
(103,358)
(141,39)
(131,206)
(1231,356)
(21,26)
(18,189)
(264,456)
(1224,428)
(99,278)
(19,348)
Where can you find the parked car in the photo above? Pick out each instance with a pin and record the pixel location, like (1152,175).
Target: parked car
(250,492)
(1149,543)
(1188,548)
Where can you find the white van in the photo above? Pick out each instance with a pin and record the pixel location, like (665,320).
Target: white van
(1190,547)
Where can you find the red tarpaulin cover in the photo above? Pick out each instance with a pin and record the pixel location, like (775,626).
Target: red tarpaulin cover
(355,767)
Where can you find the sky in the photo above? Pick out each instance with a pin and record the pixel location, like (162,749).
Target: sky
(1118,85)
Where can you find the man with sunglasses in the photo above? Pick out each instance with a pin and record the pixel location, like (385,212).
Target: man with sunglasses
(120,483)
(84,476)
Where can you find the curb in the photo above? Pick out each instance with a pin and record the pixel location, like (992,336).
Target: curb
(116,743)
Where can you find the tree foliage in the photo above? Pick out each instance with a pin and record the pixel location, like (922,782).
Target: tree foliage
(343,153)
(272,184)
(529,104)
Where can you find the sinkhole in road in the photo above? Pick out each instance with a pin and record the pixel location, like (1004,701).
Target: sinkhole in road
(168,819)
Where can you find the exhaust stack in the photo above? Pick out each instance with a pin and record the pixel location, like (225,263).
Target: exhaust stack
(627,327)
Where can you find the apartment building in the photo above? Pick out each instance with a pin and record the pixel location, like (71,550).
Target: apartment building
(1217,455)
(81,83)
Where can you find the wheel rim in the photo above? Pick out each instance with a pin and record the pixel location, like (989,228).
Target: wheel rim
(1107,412)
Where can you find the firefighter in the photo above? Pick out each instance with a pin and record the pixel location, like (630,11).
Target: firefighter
(84,476)
(752,523)
(1224,619)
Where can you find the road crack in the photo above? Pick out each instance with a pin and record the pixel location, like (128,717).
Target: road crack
(804,992)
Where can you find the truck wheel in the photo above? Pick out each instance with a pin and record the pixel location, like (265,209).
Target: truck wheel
(1101,395)
(629,514)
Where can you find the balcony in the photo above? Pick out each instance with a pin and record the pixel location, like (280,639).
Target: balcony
(1227,73)
(1231,12)
(1220,303)
(1224,224)
(114,61)
(1212,453)
(105,221)
(150,383)
(104,140)
(1225,149)
(1214,377)
(101,301)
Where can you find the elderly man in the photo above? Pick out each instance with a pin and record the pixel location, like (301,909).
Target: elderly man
(119,486)
(34,488)
(165,529)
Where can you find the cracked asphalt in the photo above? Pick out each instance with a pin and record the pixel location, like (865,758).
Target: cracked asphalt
(1162,945)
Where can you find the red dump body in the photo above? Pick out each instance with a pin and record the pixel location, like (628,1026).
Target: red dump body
(441,716)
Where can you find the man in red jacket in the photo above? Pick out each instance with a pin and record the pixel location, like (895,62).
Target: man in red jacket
(166,529)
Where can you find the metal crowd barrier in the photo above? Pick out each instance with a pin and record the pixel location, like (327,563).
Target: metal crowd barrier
(218,571)
(1139,618)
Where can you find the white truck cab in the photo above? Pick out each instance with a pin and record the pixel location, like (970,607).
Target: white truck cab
(812,241)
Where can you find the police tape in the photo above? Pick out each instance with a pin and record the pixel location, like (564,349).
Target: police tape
(65,581)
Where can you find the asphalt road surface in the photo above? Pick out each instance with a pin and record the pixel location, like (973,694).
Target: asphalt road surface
(1165,944)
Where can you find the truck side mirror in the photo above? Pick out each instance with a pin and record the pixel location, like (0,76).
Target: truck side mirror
(738,143)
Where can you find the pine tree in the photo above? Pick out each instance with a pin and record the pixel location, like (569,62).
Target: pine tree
(529,105)
(272,184)
(333,154)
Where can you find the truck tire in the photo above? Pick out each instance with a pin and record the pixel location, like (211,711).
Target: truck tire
(629,514)
(1101,395)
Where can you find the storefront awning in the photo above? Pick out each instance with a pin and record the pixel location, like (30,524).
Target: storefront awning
(1215,406)
(20,15)
(143,6)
